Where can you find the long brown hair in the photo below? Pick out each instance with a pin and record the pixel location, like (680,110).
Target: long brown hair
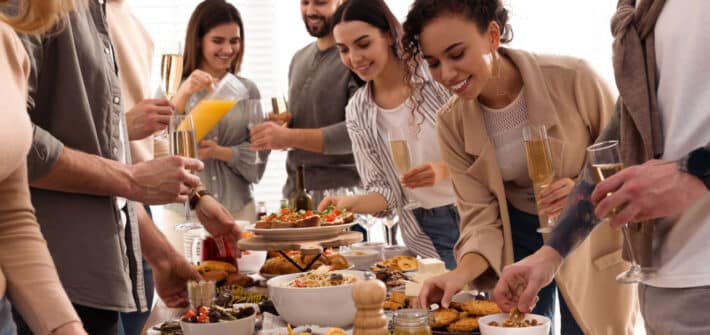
(40,16)
(207,15)
(377,14)
(480,12)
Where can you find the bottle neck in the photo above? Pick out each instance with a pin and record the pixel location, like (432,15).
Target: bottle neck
(300,180)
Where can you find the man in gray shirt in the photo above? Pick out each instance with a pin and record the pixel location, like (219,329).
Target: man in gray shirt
(319,89)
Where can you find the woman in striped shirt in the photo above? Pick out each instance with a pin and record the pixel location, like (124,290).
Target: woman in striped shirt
(395,100)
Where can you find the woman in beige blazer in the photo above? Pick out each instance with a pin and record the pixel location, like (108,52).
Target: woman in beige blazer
(27,273)
(499,91)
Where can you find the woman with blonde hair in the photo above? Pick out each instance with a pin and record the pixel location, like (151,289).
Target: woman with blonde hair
(27,270)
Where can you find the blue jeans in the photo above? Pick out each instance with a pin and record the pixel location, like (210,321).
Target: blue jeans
(96,321)
(441,224)
(7,326)
(132,323)
(526,240)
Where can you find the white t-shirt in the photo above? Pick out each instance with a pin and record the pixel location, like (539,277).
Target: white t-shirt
(682,49)
(423,148)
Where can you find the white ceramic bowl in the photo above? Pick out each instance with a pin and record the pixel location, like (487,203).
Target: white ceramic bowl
(323,306)
(244,326)
(542,329)
(377,246)
(397,250)
(362,259)
(252,262)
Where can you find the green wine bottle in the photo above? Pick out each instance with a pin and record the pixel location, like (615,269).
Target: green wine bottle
(301,200)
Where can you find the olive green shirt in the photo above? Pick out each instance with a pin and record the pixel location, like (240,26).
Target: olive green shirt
(75,101)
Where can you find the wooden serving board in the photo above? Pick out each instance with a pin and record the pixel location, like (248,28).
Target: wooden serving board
(309,247)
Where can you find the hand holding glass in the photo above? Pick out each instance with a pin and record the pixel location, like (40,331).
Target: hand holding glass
(539,157)
(605,160)
(181,131)
(401,156)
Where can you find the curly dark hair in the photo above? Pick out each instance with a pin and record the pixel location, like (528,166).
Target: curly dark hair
(480,12)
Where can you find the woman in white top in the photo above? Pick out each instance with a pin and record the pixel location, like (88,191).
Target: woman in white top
(395,100)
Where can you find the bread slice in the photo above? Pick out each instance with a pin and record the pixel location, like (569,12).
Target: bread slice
(347,217)
(309,221)
(337,221)
(263,224)
(282,224)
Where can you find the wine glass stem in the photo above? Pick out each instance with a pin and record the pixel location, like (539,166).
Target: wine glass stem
(627,236)
(389,235)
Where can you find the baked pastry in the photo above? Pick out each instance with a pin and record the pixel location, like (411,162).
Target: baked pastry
(477,307)
(464,325)
(279,265)
(338,261)
(443,317)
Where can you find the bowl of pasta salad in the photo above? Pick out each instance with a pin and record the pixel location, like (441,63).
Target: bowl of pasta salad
(321,297)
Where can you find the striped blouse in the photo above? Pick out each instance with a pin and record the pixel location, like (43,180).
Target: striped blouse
(374,161)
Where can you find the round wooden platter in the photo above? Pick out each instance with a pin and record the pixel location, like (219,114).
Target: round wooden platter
(307,247)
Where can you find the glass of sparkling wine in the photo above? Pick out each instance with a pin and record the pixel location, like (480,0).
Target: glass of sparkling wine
(181,132)
(401,156)
(279,107)
(605,160)
(170,73)
(170,78)
(256,116)
(539,157)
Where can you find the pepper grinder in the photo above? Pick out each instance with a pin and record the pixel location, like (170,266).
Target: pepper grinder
(369,297)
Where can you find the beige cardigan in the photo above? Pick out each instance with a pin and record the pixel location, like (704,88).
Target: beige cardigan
(566,95)
(134,55)
(26,268)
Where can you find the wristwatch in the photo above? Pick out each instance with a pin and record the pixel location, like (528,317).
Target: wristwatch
(196,196)
(697,163)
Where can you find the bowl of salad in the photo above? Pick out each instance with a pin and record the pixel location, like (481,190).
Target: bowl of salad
(215,320)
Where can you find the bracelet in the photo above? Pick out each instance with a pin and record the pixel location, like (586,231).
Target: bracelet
(196,196)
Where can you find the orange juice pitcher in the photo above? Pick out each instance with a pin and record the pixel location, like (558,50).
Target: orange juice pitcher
(207,113)
(213,107)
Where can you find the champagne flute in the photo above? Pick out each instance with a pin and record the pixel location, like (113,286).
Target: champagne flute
(181,131)
(605,160)
(401,157)
(170,73)
(170,76)
(539,157)
(256,116)
(279,107)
